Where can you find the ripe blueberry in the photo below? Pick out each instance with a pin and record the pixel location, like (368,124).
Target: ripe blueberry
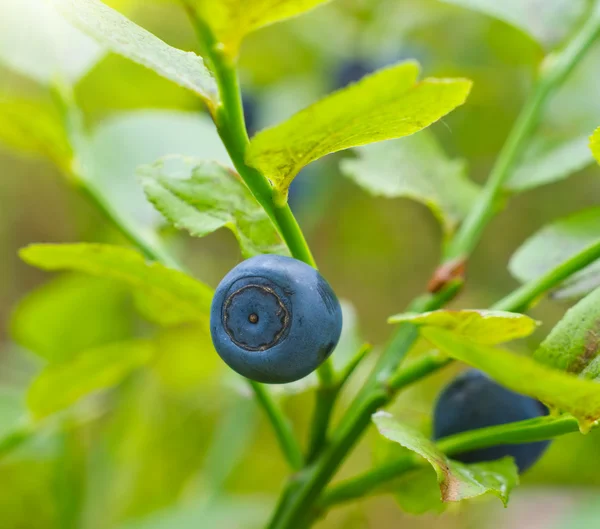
(472,400)
(351,72)
(274,319)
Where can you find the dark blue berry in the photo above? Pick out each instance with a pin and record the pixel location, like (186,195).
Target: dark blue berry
(351,71)
(472,400)
(250,109)
(274,319)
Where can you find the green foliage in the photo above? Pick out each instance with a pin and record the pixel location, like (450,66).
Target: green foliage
(556,243)
(546,22)
(489,327)
(456,481)
(231,20)
(120,35)
(574,343)
(60,385)
(388,104)
(546,164)
(186,361)
(595,144)
(52,49)
(71,314)
(202,197)
(557,389)
(127,140)
(415,167)
(166,296)
(33,127)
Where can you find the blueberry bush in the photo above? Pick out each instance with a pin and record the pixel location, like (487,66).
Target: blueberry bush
(128,417)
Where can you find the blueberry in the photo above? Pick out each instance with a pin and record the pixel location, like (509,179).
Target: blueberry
(472,400)
(250,109)
(274,319)
(351,71)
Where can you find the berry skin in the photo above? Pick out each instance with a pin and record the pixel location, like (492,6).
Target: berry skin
(274,319)
(351,72)
(472,400)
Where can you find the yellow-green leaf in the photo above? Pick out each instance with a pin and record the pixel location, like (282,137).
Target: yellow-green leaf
(595,144)
(167,296)
(457,481)
(122,36)
(33,127)
(389,104)
(557,389)
(60,385)
(489,327)
(231,20)
(71,314)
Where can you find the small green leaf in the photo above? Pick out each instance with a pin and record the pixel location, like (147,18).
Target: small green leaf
(557,389)
(595,144)
(168,296)
(37,42)
(574,343)
(71,314)
(231,20)
(556,243)
(60,385)
(546,22)
(389,104)
(123,142)
(547,165)
(489,327)
(202,197)
(415,167)
(120,35)
(457,481)
(33,127)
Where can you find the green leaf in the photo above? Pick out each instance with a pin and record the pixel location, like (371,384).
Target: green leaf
(457,481)
(389,104)
(415,167)
(186,360)
(127,140)
(71,314)
(546,165)
(33,127)
(595,144)
(231,20)
(169,297)
(489,327)
(202,197)
(418,492)
(557,389)
(546,22)
(120,35)
(556,243)
(36,41)
(574,343)
(13,414)
(59,386)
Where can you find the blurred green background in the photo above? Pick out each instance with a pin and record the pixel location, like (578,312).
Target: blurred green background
(180,444)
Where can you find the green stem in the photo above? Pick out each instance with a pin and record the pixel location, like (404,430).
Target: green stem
(513,433)
(81,173)
(298,512)
(554,70)
(522,298)
(229,119)
(281,425)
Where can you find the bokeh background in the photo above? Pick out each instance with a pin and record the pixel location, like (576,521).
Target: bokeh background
(180,444)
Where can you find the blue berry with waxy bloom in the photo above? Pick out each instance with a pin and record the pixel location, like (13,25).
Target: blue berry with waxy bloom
(274,319)
(473,400)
